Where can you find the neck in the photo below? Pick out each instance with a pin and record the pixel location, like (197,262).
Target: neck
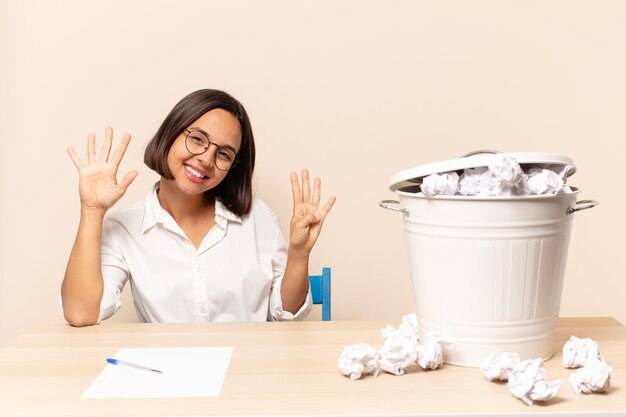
(180,205)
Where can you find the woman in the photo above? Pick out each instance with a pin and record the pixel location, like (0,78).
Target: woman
(200,247)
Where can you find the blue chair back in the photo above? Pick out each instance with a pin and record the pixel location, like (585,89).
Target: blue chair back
(320,291)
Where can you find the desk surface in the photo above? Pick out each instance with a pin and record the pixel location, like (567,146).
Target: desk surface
(282,369)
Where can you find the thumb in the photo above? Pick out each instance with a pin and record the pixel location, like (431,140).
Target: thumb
(128,179)
(307,220)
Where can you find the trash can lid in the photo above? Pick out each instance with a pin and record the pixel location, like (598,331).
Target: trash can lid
(413,176)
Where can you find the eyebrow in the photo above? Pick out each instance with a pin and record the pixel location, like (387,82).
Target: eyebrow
(197,129)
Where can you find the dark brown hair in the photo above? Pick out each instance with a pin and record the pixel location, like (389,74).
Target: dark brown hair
(235,190)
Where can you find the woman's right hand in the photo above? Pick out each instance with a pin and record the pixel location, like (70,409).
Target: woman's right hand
(98,184)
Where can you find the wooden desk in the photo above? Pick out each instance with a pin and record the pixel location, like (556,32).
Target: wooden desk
(282,369)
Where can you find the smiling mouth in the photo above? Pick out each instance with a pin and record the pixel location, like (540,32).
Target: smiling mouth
(195,173)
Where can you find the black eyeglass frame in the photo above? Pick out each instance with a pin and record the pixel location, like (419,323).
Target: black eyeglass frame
(233,163)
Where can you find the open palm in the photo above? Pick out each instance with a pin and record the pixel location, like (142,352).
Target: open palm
(98,185)
(307,218)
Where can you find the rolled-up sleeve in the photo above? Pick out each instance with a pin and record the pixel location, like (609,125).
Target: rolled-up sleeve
(114,270)
(279,263)
(276,307)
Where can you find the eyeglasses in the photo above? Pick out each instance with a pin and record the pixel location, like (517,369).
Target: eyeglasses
(198,143)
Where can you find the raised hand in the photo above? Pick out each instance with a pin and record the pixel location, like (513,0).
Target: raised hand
(98,184)
(307,219)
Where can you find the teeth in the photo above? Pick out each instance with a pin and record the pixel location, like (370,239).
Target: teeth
(193,171)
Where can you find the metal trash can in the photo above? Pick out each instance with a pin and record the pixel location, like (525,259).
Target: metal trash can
(487,272)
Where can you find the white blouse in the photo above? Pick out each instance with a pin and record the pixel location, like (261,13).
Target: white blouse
(234,275)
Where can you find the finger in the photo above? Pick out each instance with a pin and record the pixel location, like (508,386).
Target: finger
(329,204)
(91,148)
(106,146)
(75,158)
(295,189)
(127,180)
(307,221)
(121,150)
(306,186)
(317,192)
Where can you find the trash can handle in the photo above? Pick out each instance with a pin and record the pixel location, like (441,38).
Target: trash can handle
(386,205)
(582,205)
(479,152)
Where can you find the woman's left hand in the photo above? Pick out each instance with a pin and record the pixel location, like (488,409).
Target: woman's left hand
(307,218)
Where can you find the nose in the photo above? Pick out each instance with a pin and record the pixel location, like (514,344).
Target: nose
(208,158)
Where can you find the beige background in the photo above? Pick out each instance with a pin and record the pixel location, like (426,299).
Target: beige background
(354,90)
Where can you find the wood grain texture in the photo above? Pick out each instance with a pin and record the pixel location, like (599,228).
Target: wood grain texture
(282,369)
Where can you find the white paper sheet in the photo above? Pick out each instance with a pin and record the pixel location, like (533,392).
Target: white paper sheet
(187,372)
